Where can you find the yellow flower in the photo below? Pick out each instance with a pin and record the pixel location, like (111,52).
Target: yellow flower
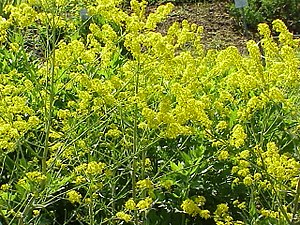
(238,136)
(257,176)
(5,187)
(221,209)
(124,216)
(285,37)
(81,168)
(222,125)
(130,204)
(243,172)
(234,169)
(167,184)
(146,183)
(200,200)
(14,47)
(161,12)
(23,14)
(236,181)
(35,212)
(223,155)
(243,164)
(190,207)
(74,196)
(4,25)
(274,215)
(242,205)
(36,176)
(144,204)
(147,163)
(244,154)
(205,214)
(79,180)
(95,168)
(265,212)
(87,200)
(113,133)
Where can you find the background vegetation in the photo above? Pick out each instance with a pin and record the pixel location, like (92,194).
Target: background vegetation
(259,11)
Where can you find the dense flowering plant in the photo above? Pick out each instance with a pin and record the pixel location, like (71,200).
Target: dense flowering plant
(103,120)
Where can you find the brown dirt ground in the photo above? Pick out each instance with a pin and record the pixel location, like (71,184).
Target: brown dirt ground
(220,28)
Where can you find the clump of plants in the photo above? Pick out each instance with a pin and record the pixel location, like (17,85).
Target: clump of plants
(103,120)
(268,10)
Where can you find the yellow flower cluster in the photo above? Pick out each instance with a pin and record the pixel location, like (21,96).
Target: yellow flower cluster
(240,205)
(192,207)
(222,217)
(273,171)
(130,204)
(36,176)
(274,214)
(95,94)
(242,169)
(144,203)
(124,216)
(68,54)
(108,9)
(74,196)
(144,184)
(285,37)
(223,155)
(91,168)
(17,118)
(167,184)
(36,212)
(4,25)
(103,36)
(113,133)
(95,168)
(158,16)
(5,187)
(238,136)
(222,125)
(22,15)
(282,167)
(32,180)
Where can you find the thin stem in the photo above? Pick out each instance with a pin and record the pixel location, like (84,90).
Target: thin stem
(143,177)
(296,202)
(91,209)
(113,186)
(49,112)
(135,143)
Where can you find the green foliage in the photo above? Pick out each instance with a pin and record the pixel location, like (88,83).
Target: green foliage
(259,11)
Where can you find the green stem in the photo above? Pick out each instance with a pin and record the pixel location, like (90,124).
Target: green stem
(183,220)
(135,143)
(134,167)
(91,206)
(49,112)
(143,177)
(113,186)
(296,200)
(186,194)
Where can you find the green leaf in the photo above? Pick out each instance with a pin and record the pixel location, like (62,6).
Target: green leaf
(174,167)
